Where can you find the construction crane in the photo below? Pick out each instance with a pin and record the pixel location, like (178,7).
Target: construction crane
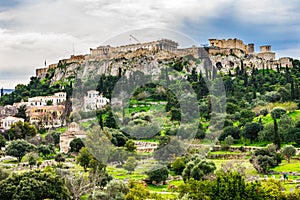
(131,36)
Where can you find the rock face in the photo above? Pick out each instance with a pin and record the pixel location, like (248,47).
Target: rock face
(223,54)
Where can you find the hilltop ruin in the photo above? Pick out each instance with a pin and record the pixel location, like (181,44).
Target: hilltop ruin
(225,54)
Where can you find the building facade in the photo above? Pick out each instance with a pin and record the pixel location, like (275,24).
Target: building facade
(93,100)
(7,122)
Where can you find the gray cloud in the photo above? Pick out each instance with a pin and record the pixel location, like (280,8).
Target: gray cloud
(34,30)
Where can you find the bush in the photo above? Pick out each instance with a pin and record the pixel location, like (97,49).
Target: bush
(158,173)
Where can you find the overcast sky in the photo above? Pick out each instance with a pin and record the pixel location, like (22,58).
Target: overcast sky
(32,31)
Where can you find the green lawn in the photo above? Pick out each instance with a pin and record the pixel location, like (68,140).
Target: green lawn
(293,166)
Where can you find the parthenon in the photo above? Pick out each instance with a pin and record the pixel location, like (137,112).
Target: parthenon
(163,44)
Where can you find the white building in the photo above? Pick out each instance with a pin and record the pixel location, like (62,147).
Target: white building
(93,100)
(56,99)
(7,122)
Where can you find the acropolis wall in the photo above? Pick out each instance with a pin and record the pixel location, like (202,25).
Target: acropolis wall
(232,44)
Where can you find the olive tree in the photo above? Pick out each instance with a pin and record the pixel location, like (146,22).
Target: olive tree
(288,151)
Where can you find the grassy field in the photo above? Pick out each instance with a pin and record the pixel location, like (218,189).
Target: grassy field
(293,166)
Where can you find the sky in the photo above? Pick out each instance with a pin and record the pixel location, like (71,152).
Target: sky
(35,31)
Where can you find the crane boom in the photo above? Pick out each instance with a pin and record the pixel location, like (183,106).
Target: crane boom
(131,36)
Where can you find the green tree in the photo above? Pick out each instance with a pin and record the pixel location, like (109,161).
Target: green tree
(130,146)
(264,159)
(230,130)
(292,135)
(273,189)
(130,164)
(246,116)
(34,185)
(288,151)
(276,139)
(32,159)
(2,141)
(197,169)
(158,173)
(45,150)
(178,165)
(110,121)
(22,112)
(22,130)
(84,158)
(76,145)
(226,186)
(118,138)
(251,131)
(228,142)
(232,185)
(116,189)
(18,148)
(277,112)
(137,191)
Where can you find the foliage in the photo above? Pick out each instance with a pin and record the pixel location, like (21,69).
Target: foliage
(198,169)
(3,174)
(228,141)
(45,150)
(59,158)
(137,191)
(178,165)
(292,135)
(76,144)
(2,141)
(230,130)
(273,189)
(18,148)
(158,173)
(288,151)
(116,189)
(110,121)
(32,158)
(226,186)
(34,185)
(22,112)
(22,130)
(84,158)
(264,159)
(246,116)
(251,131)
(118,138)
(130,164)
(130,146)
(277,112)
(168,148)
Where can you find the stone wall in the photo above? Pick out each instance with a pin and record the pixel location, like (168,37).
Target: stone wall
(41,72)
(232,44)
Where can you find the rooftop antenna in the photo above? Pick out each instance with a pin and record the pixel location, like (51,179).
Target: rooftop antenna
(132,37)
